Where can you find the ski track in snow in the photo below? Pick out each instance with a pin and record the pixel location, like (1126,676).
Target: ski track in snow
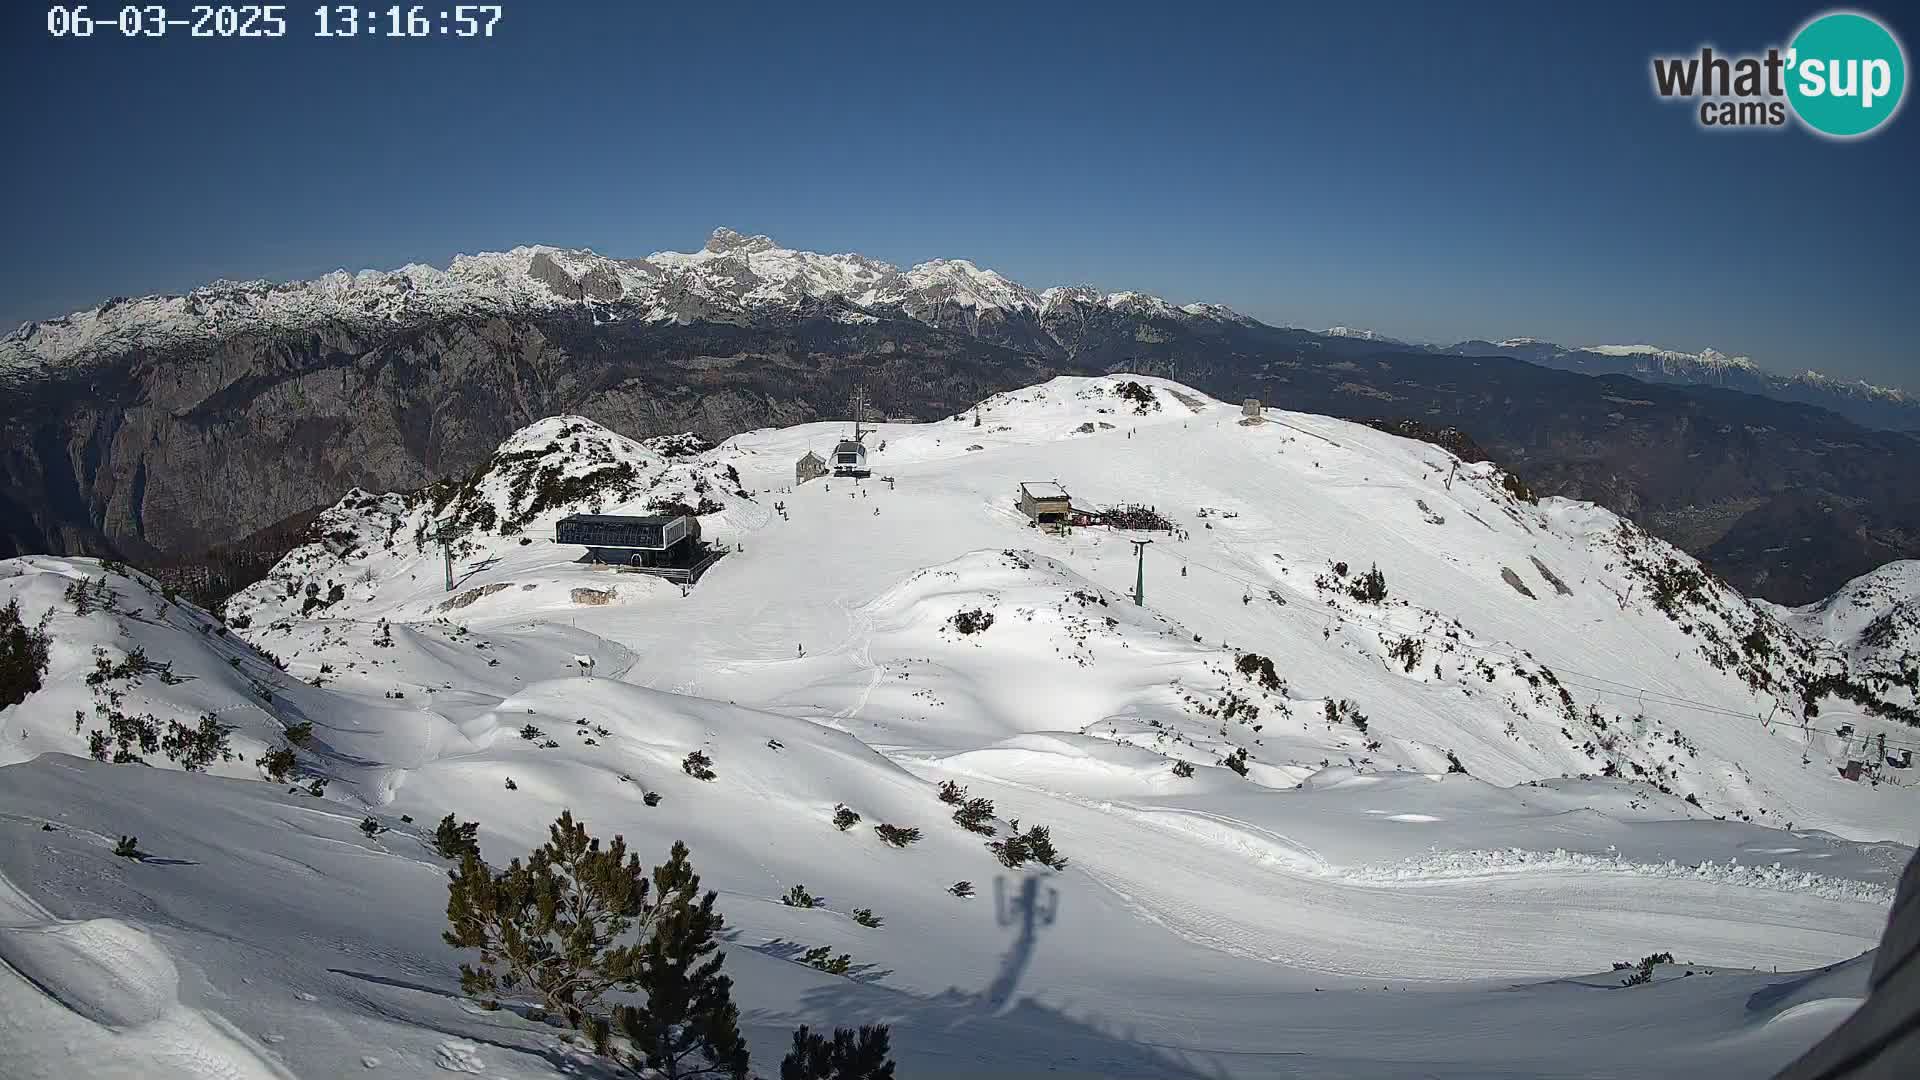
(1410,919)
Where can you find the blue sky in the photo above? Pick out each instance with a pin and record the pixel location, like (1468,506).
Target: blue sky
(1435,171)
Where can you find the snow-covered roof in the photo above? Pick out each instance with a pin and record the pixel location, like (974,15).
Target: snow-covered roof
(621,519)
(1045,489)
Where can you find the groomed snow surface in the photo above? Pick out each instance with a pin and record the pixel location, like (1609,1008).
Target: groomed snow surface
(1346,908)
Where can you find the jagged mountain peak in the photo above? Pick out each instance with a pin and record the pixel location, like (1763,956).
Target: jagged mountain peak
(733,275)
(1707,357)
(725,241)
(1360,334)
(1850,387)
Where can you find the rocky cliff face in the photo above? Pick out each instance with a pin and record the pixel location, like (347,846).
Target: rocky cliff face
(168,452)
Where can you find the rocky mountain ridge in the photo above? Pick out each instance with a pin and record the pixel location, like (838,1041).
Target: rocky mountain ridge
(1860,401)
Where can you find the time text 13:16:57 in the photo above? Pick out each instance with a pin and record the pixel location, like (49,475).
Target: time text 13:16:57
(415,20)
(271,20)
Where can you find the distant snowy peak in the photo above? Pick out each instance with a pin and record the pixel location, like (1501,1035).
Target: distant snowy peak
(961,283)
(1712,358)
(1360,334)
(1860,401)
(1852,388)
(731,275)
(1874,620)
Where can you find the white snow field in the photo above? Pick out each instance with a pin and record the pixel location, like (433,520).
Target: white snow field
(1640,771)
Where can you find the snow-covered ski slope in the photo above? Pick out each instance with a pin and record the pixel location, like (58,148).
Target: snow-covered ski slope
(1348,907)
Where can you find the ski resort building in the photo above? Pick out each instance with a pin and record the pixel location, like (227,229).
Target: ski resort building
(850,458)
(659,545)
(1046,502)
(654,539)
(809,467)
(1250,408)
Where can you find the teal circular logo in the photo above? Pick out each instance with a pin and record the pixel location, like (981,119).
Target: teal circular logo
(1846,74)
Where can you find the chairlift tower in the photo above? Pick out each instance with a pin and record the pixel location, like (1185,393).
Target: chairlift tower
(1140,572)
(857,405)
(440,537)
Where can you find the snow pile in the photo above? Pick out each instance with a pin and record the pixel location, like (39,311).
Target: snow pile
(109,996)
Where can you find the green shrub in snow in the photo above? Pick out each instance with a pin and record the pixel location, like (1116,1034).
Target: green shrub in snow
(849,1055)
(897,836)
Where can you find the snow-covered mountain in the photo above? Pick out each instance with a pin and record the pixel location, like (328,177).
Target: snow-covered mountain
(1857,400)
(1359,334)
(1705,358)
(732,277)
(1731,647)
(1874,623)
(1538,743)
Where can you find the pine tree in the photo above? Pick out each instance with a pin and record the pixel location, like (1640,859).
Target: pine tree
(279,763)
(78,595)
(547,926)
(822,957)
(198,747)
(577,920)
(689,1026)
(24,652)
(1034,845)
(849,1055)
(456,839)
(1370,587)
(975,815)
(897,836)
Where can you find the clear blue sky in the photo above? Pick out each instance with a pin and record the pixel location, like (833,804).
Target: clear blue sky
(1439,171)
